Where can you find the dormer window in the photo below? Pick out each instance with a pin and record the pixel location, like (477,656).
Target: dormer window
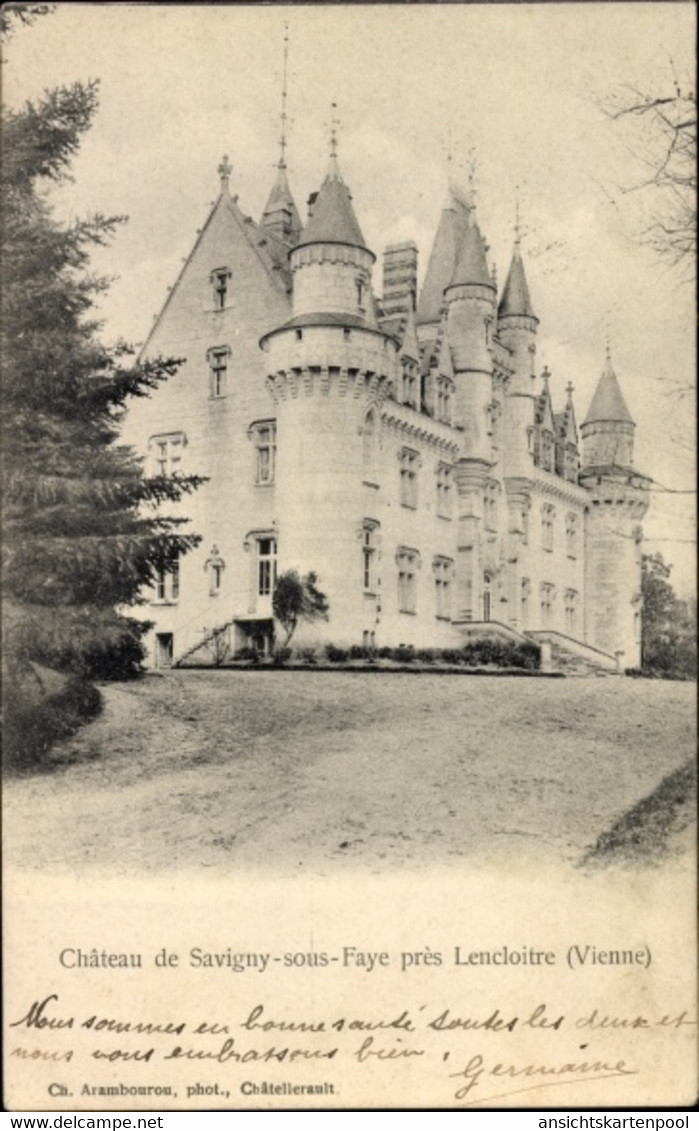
(219,281)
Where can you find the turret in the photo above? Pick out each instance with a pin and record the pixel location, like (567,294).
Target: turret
(618,500)
(607,430)
(470,299)
(517,325)
(328,369)
(331,263)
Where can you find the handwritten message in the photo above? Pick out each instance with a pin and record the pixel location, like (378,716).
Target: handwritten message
(260,1051)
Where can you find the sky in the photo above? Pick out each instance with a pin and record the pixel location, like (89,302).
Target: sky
(513,91)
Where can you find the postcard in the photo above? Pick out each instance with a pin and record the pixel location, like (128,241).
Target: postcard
(390,502)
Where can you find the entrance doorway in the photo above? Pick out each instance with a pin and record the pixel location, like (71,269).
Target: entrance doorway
(164,649)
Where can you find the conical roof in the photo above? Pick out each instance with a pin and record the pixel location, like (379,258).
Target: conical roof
(608,403)
(471,264)
(515,296)
(280,198)
(333,219)
(452,227)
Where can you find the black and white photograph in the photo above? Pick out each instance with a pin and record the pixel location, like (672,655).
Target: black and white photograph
(349,556)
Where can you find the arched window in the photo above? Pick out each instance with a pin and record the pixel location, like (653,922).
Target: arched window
(487,595)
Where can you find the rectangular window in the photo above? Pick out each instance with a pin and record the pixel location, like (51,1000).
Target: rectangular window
(572,536)
(444,490)
(547,592)
(369,556)
(266,566)
(166,453)
(524,602)
(547,516)
(409,394)
(490,506)
(443,573)
(265,452)
(167,583)
(444,391)
(407,562)
(571,608)
(218,371)
(409,463)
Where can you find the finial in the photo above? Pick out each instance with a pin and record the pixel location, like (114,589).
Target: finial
(282,136)
(518,231)
(334,171)
(472,170)
(570,389)
(546,373)
(450,156)
(224,171)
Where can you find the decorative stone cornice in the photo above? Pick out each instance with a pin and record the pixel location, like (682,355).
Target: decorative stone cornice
(410,424)
(308,381)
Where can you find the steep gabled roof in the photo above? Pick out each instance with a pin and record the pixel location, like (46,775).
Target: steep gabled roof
(452,227)
(608,403)
(272,253)
(515,296)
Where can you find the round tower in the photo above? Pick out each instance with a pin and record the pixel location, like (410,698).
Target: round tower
(470,299)
(328,369)
(613,535)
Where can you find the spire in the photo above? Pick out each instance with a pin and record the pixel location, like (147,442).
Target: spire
(608,403)
(280,214)
(224,171)
(283,119)
(333,219)
(515,296)
(471,264)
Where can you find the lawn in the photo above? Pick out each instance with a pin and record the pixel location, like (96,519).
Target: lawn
(310,772)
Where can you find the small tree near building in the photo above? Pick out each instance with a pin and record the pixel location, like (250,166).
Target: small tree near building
(669,641)
(297,599)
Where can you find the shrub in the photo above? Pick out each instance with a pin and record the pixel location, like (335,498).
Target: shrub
(336,655)
(247,654)
(357,652)
(452,655)
(385,653)
(425,655)
(404,654)
(501,653)
(281,656)
(308,655)
(32,727)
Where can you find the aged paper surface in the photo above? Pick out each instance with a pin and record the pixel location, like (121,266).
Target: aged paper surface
(510,984)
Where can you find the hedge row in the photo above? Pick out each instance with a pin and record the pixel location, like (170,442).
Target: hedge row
(476,653)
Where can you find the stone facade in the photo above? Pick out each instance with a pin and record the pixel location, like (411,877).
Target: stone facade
(403,448)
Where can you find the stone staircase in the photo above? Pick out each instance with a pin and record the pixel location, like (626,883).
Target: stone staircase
(573,658)
(206,638)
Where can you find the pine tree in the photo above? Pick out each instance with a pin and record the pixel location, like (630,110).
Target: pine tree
(83,529)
